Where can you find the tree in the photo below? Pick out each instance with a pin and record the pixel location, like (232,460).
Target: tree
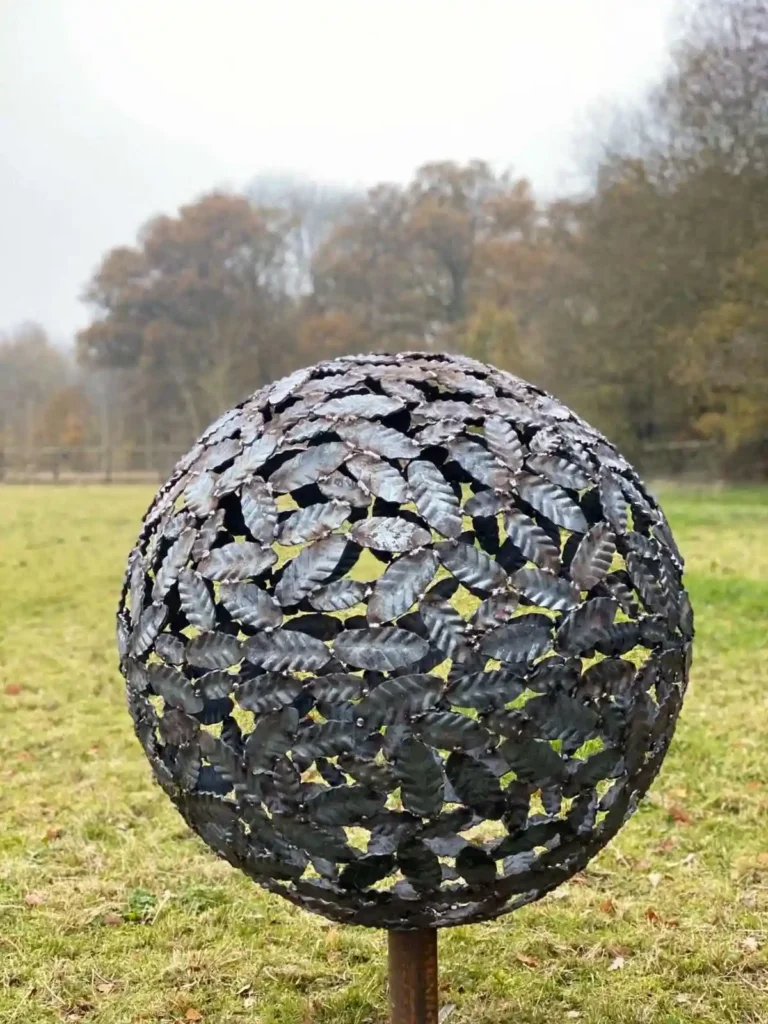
(31,370)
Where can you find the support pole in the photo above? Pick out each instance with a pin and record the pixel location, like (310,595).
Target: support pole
(413,977)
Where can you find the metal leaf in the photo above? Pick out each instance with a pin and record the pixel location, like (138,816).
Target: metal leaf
(478,462)
(421,778)
(533,542)
(246,464)
(523,639)
(475,866)
(441,431)
(503,442)
(152,620)
(344,805)
(286,651)
(207,535)
(343,488)
(326,739)
(309,466)
(271,738)
(546,590)
(445,628)
(434,498)
(198,494)
(378,477)
(196,600)
(376,439)
(419,864)
(494,611)
(487,503)
(586,625)
(216,685)
(484,690)
(314,564)
(233,563)
(173,563)
(450,731)
(646,583)
(174,688)
(268,692)
(593,556)
(470,565)
(389,533)
(214,650)
(560,471)
(338,596)
(552,501)
(396,699)
(313,522)
(250,605)
(613,501)
(366,406)
(259,511)
(533,761)
(170,648)
(475,784)
(383,648)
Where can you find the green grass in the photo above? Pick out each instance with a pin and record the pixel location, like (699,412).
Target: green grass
(111,911)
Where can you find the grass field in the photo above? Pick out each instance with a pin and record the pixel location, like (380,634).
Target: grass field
(112,912)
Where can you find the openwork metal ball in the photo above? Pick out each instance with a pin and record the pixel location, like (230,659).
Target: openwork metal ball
(405,640)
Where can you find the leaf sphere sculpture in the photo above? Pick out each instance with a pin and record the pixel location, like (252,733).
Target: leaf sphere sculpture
(405,640)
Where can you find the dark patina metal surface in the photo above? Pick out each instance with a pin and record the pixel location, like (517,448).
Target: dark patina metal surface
(405,640)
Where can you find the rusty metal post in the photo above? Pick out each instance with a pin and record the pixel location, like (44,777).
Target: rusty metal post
(413,977)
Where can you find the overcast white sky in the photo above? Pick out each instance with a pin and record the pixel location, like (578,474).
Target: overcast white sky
(113,110)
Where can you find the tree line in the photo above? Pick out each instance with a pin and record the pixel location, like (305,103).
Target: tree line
(642,301)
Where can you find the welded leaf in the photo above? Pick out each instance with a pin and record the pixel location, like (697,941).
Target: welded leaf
(552,501)
(313,522)
(137,590)
(560,471)
(136,675)
(586,625)
(378,477)
(523,639)
(389,533)
(441,410)
(561,717)
(619,638)
(221,756)
(338,596)
(475,784)
(377,439)
(343,488)
(533,761)
(441,431)
(173,563)
(402,389)
(217,454)
(475,866)
(314,564)
(338,686)
(365,406)
(533,542)
(250,605)
(503,442)
(288,785)
(396,699)
(216,685)
(619,586)
(214,650)
(177,727)
(198,494)
(419,864)
(421,778)
(487,503)
(286,651)
(366,871)
(382,648)
(326,739)
(309,466)
(434,498)
(170,648)
(546,590)
(494,611)
(445,628)
(174,688)
(268,692)
(484,690)
(207,534)
(607,678)
(613,501)
(196,600)
(246,464)
(286,386)
(152,620)
(450,731)
(344,805)
(305,430)
(259,511)
(470,565)
(478,462)
(593,556)
(271,738)
(233,563)
(646,583)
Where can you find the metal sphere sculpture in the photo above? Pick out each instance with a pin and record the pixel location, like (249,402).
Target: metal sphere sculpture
(405,640)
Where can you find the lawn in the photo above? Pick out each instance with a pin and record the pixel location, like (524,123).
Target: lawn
(112,912)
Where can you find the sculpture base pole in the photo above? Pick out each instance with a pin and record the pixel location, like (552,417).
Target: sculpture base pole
(413,977)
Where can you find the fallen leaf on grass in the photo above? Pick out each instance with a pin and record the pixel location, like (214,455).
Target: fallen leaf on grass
(750,944)
(655,918)
(573,1015)
(655,879)
(608,906)
(112,918)
(105,987)
(54,832)
(528,961)
(13,689)
(617,963)
(193,1014)
(34,899)
(680,815)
